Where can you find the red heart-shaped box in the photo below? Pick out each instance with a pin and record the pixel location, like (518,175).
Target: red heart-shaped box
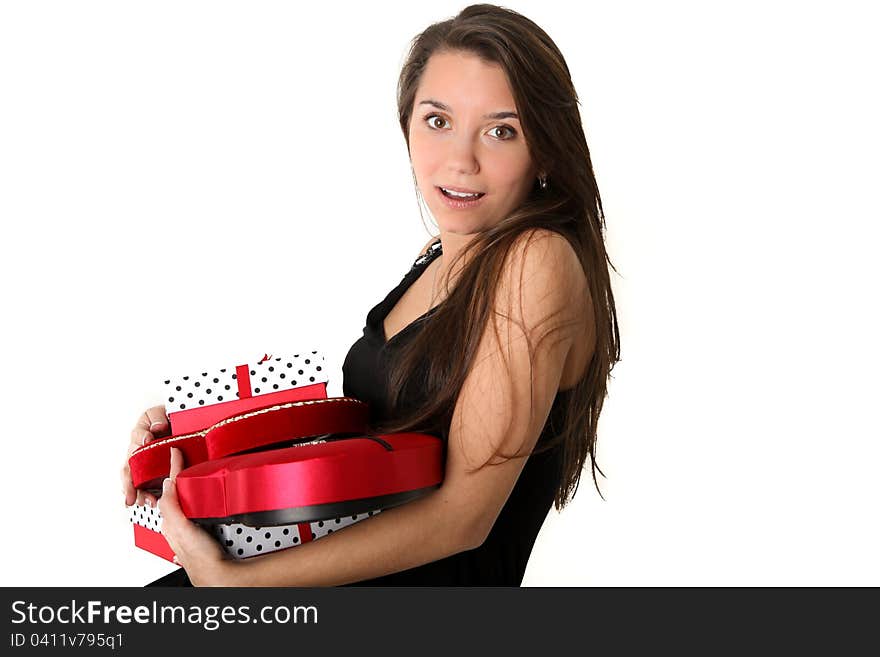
(255,429)
(312,481)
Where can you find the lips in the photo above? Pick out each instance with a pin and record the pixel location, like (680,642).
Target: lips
(456,203)
(462,191)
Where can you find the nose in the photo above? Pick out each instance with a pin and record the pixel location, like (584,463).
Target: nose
(461,157)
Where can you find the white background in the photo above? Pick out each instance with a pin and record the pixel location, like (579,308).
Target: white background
(184,184)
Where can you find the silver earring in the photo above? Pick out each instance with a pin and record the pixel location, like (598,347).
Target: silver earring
(543,181)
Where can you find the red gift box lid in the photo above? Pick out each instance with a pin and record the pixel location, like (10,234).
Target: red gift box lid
(257,428)
(312,481)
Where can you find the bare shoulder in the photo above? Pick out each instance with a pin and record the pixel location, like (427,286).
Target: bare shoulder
(544,263)
(545,249)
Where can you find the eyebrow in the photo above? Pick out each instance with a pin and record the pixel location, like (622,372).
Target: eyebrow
(493,115)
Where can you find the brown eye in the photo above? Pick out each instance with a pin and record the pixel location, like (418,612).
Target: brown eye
(504,127)
(431,118)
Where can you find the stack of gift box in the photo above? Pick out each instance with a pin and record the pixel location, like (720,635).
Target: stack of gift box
(270,462)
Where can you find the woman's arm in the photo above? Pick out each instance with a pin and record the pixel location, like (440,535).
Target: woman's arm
(410,535)
(492,411)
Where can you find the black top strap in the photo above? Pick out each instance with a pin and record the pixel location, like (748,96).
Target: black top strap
(433,251)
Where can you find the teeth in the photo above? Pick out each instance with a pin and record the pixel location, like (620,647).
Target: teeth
(458,194)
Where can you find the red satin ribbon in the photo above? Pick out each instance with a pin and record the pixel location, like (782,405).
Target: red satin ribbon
(243,377)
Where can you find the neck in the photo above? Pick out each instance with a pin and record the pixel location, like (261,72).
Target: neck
(453,243)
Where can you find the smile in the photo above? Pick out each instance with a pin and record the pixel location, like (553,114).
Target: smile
(459,201)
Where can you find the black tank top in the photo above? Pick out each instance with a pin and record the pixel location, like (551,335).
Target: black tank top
(501,560)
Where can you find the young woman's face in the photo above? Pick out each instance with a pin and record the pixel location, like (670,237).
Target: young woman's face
(455,143)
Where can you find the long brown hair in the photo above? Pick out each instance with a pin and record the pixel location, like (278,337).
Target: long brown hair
(547,104)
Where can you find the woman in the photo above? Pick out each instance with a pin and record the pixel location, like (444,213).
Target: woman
(499,340)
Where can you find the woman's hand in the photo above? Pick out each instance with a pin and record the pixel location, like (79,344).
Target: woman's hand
(195,549)
(151,425)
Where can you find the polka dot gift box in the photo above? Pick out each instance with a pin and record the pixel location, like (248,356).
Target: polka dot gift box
(197,400)
(241,541)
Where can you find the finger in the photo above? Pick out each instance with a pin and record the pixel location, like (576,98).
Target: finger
(156,420)
(151,424)
(168,528)
(138,437)
(128,489)
(150,416)
(150,500)
(169,507)
(132,494)
(176,462)
(134,445)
